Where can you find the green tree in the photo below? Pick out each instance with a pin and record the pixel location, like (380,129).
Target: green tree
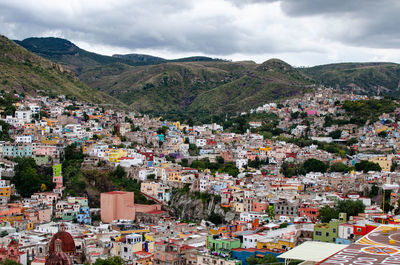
(315,165)
(336,134)
(115,260)
(267,259)
(383,134)
(366,166)
(230,169)
(119,172)
(352,141)
(327,213)
(350,207)
(289,169)
(29,177)
(339,167)
(9,262)
(374,191)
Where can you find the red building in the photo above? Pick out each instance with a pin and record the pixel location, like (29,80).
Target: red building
(310,211)
(148,155)
(362,230)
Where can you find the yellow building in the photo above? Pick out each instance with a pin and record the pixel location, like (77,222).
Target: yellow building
(239,207)
(175,176)
(384,162)
(281,244)
(115,154)
(5,191)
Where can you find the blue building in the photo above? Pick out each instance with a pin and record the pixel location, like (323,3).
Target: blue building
(83,216)
(243,253)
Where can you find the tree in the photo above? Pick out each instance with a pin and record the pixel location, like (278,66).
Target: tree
(230,169)
(336,134)
(9,262)
(314,165)
(294,115)
(29,177)
(339,167)
(119,172)
(352,141)
(220,160)
(289,169)
(327,213)
(43,187)
(267,259)
(374,191)
(383,134)
(115,260)
(350,207)
(366,166)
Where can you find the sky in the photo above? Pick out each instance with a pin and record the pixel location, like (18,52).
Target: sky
(300,32)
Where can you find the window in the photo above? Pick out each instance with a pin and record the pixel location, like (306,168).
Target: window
(327,234)
(318,233)
(334,230)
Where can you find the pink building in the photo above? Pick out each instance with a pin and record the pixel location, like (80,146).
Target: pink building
(120,205)
(117,205)
(259,207)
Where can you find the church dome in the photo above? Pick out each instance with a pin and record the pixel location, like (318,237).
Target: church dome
(67,242)
(58,257)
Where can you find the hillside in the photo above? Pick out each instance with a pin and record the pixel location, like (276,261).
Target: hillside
(69,55)
(365,78)
(26,72)
(193,87)
(196,86)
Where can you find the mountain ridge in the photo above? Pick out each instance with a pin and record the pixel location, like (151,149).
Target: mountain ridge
(23,71)
(204,85)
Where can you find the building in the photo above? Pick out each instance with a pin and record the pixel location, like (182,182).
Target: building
(117,205)
(169,253)
(328,232)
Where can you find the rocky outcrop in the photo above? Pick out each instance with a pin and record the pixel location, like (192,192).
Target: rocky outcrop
(192,207)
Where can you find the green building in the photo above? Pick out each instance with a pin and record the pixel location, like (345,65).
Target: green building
(69,215)
(222,244)
(57,169)
(328,232)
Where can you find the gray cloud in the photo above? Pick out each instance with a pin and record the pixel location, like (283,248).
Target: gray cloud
(291,28)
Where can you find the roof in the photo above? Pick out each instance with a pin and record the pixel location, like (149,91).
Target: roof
(116,192)
(306,251)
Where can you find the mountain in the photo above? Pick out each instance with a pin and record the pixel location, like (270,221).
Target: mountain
(196,86)
(67,54)
(26,72)
(193,87)
(365,78)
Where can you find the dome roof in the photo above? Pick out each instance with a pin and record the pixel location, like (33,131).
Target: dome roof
(67,242)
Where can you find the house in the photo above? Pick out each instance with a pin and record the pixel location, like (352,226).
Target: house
(328,232)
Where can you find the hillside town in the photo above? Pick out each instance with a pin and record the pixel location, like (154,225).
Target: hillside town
(81,183)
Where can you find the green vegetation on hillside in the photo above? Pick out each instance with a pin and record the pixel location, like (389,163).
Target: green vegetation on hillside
(350,207)
(29,177)
(363,110)
(364,78)
(25,72)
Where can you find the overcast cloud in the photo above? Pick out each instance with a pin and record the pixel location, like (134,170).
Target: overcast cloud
(301,32)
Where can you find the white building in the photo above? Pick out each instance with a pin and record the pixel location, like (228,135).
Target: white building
(24,115)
